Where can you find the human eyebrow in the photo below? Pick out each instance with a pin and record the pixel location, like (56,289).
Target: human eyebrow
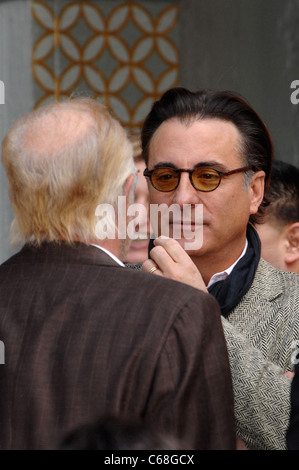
(205,164)
(212,164)
(165,165)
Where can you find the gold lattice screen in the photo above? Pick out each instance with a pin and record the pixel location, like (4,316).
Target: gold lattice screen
(124,53)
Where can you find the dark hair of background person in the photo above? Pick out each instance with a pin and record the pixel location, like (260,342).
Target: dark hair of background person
(256,145)
(118,433)
(283,194)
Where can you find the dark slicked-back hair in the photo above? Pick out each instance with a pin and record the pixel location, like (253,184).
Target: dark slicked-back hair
(256,147)
(283,194)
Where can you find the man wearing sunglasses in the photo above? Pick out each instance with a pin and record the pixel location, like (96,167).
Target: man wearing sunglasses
(211,149)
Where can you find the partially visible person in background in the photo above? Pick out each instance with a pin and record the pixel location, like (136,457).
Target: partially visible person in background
(138,250)
(279,233)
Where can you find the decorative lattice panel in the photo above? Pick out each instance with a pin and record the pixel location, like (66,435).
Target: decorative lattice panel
(124,53)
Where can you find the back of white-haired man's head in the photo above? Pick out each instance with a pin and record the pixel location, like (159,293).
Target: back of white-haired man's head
(63,160)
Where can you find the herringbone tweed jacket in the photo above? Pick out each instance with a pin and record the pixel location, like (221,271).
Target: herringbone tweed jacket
(260,335)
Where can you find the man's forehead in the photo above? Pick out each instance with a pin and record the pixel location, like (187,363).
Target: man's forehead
(207,139)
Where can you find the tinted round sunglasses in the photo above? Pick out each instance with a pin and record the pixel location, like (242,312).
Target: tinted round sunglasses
(202,179)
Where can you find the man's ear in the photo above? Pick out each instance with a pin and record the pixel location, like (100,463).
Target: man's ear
(256,189)
(292,243)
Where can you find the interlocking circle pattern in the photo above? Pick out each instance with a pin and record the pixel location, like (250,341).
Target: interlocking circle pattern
(124,53)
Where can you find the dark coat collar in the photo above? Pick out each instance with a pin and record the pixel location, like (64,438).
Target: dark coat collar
(75,253)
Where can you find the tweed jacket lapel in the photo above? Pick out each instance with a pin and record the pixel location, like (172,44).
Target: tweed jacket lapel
(268,313)
(269,282)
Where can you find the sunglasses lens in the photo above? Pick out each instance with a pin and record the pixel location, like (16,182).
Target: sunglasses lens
(164,179)
(205,179)
(167,179)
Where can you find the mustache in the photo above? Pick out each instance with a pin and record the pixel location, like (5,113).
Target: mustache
(182,221)
(182,218)
(187,217)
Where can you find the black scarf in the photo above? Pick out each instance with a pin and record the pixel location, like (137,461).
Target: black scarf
(229,292)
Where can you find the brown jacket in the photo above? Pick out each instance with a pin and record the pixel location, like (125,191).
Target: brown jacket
(85,337)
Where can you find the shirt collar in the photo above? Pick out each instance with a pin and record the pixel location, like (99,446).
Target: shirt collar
(110,254)
(223,274)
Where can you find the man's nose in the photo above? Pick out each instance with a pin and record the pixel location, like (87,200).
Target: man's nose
(185,192)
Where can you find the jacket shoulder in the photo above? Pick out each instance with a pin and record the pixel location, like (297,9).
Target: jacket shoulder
(274,281)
